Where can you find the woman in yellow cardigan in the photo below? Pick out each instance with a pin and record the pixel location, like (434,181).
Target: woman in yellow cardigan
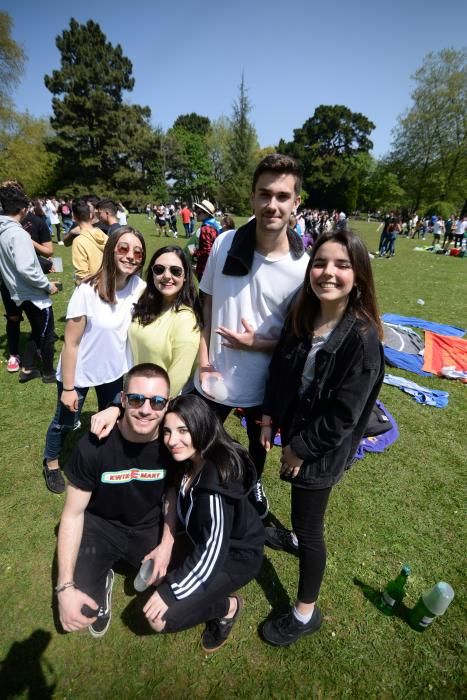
(167,318)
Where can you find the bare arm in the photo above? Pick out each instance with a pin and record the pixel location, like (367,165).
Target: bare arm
(71,599)
(205,367)
(74,330)
(45,249)
(69,237)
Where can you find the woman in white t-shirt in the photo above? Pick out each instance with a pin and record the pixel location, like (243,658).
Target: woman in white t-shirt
(94,353)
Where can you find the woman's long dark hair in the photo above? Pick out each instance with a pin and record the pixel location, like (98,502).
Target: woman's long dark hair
(209,437)
(150,303)
(105,279)
(362,299)
(37,209)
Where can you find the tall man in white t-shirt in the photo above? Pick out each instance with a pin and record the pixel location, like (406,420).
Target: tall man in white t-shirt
(249,281)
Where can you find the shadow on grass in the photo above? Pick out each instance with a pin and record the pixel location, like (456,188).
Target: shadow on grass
(275,593)
(21,670)
(374,595)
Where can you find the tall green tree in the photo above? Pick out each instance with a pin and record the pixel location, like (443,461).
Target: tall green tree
(429,151)
(332,147)
(381,190)
(218,142)
(188,164)
(23,153)
(241,157)
(96,135)
(193,123)
(12,58)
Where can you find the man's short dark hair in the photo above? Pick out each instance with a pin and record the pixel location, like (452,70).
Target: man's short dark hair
(81,210)
(148,370)
(12,197)
(92,199)
(281,165)
(107,205)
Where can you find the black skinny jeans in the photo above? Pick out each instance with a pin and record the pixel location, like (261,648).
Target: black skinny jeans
(308,509)
(13,317)
(42,336)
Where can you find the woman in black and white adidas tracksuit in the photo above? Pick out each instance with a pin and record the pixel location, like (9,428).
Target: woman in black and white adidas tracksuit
(223,526)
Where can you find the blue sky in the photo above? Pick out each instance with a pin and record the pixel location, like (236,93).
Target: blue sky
(189,56)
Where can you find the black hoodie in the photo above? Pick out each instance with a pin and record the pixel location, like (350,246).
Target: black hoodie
(224,527)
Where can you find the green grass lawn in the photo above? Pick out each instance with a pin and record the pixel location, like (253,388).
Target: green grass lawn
(403,506)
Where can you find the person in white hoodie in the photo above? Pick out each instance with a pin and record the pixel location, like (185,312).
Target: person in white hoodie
(27,285)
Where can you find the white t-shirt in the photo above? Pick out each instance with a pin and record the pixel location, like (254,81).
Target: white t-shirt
(102,356)
(122,217)
(262,298)
(51,210)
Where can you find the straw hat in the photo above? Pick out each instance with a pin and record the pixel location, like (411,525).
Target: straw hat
(206,206)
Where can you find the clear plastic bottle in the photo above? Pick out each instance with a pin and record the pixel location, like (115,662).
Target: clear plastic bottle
(144,574)
(430,605)
(215,387)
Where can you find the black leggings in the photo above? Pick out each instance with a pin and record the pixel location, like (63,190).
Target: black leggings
(308,509)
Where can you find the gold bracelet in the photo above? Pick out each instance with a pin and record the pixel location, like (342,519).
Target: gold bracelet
(68,584)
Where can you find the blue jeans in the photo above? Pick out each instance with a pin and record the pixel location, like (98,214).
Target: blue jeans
(64,420)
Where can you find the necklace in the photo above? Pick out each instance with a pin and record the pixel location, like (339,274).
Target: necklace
(324,328)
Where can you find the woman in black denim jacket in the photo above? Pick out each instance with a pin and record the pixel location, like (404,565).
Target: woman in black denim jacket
(324,378)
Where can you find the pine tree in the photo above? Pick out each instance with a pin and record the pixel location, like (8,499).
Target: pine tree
(242,150)
(96,134)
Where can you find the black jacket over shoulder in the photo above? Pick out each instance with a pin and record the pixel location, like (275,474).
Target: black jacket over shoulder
(324,427)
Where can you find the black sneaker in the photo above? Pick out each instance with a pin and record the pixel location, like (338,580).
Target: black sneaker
(259,500)
(286,629)
(49,378)
(281,539)
(101,625)
(217,631)
(27,376)
(54,479)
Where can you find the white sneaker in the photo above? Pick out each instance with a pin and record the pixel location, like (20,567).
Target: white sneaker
(61,243)
(13,363)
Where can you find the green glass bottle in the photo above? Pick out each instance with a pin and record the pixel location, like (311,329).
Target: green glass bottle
(431,604)
(394,592)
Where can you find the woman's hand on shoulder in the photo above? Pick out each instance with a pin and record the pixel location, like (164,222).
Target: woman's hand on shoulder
(103,422)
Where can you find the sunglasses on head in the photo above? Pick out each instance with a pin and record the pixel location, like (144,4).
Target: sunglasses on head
(124,248)
(157,403)
(174,270)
